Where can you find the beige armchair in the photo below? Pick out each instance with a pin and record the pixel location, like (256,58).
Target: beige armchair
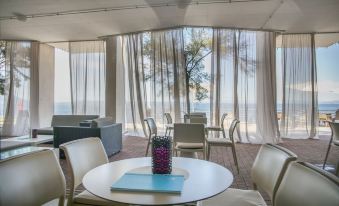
(32,179)
(267,171)
(189,138)
(82,156)
(305,184)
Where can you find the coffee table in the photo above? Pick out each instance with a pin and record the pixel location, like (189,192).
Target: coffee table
(203,180)
(15,142)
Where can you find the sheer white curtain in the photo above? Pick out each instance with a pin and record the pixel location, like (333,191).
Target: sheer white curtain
(154,77)
(242,67)
(299,107)
(132,65)
(87,72)
(17,88)
(165,81)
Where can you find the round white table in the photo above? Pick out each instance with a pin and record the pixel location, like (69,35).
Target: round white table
(205,179)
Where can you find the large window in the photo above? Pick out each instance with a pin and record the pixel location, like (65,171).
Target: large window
(327,53)
(62,91)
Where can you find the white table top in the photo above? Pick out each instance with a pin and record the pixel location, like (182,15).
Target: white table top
(15,142)
(205,179)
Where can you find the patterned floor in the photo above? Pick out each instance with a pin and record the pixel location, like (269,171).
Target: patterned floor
(312,151)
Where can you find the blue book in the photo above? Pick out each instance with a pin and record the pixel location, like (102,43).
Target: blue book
(150,183)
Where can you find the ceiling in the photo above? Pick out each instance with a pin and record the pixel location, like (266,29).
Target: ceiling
(292,16)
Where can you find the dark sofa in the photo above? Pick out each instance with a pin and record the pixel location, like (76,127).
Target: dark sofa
(110,134)
(65,120)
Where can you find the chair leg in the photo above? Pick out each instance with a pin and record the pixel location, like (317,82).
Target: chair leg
(166,131)
(235,158)
(149,142)
(208,151)
(328,151)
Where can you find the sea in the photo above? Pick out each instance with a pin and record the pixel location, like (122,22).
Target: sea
(324,108)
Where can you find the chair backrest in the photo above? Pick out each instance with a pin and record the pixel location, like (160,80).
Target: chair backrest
(335,130)
(82,155)
(32,179)
(197,120)
(305,184)
(269,167)
(152,127)
(232,128)
(189,133)
(169,119)
(337,114)
(223,117)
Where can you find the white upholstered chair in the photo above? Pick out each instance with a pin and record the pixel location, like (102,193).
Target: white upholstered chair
(189,138)
(32,179)
(305,184)
(267,171)
(169,124)
(83,155)
(334,141)
(225,142)
(152,131)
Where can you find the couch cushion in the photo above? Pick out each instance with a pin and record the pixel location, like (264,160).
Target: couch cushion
(101,122)
(70,120)
(45,131)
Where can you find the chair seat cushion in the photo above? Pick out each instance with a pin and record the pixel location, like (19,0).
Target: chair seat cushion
(232,197)
(218,141)
(88,199)
(213,128)
(45,131)
(183,145)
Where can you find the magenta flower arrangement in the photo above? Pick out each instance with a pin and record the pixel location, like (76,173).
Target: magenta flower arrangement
(161,155)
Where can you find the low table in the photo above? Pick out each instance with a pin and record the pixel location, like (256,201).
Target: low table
(15,142)
(203,180)
(24,150)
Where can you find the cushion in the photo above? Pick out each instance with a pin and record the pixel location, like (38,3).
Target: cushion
(45,131)
(101,122)
(70,120)
(183,145)
(232,197)
(218,141)
(88,199)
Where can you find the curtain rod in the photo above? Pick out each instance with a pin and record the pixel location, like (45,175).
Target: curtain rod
(65,41)
(128,7)
(320,32)
(191,26)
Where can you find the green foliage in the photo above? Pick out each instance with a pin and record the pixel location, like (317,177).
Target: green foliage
(197,47)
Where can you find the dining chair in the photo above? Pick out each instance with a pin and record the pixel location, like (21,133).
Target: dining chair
(219,128)
(334,141)
(35,178)
(169,124)
(83,155)
(225,142)
(195,117)
(305,184)
(189,138)
(267,171)
(152,131)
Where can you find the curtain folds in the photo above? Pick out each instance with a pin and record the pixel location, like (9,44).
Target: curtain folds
(87,72)
(17,88)
(299,106)
(243,66)
(155,77)
(34,85)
